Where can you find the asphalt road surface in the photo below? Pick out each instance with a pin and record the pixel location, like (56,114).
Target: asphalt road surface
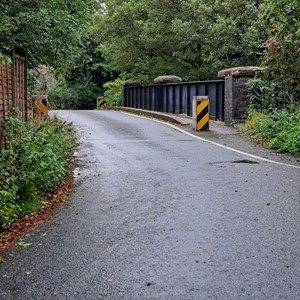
(158,214)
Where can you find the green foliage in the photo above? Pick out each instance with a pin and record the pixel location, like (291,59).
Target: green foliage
(74,95)
(282,18)
(193,39)
(264,96)
(51,31)
(5,58)
(282,55)
(33,162)
(225,34)
(82,85)
(279,130)
(113,93)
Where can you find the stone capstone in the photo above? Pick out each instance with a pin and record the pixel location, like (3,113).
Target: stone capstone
(167,79)
(241,72)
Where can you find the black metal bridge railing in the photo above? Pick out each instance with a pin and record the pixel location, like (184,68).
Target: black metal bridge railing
(176,98)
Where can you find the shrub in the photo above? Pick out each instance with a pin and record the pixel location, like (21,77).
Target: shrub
(283,67)
(74,95)
(264,96)
(279,130)
(282,49)
(33,162)
(113,93)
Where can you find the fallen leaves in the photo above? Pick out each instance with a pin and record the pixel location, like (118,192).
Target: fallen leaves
(23,244)
(25,224)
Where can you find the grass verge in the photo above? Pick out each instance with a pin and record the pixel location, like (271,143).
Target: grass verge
(279,130)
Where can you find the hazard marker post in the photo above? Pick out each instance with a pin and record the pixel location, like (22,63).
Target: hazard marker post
(100,102)
(201,113)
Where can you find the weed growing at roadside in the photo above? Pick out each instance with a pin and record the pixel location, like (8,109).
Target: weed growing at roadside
(279,130)
(33,162)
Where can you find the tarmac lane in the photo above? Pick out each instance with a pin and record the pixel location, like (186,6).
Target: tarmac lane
(159,214)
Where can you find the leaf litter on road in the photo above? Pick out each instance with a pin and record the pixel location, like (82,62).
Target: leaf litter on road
(23,244)
(24,225)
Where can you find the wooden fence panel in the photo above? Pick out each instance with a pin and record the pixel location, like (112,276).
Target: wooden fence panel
(6,89)
(20,87)
(13,89)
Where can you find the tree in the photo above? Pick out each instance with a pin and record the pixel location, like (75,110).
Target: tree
(50,30)
(282,55)
(190,38)
(79,88)
(138,37)
(233,36)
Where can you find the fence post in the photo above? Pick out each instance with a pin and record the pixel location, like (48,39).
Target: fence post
(201,113)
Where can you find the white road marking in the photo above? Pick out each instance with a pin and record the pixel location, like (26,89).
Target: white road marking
(214,143)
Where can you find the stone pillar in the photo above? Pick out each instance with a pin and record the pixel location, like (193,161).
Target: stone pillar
(235,96)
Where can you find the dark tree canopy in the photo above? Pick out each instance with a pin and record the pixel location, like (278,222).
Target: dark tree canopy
(189,38)
(50,30)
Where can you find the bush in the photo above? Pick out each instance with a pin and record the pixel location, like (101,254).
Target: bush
(282,49)
(283,67)
(33,162)
(113,93)
(263,95)
(74,95)
(279,130)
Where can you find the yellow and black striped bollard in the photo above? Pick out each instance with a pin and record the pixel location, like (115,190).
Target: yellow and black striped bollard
(201,113)
(100,102)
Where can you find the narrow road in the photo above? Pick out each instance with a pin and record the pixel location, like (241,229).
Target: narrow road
(158,214)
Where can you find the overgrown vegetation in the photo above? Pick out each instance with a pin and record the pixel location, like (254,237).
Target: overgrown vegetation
(273,116)
(33,162)
(74,95)
(264,95)
(278,130)
(55,34)
(80,87)
(89,43)
(282,54)
(113,93)
(274,100)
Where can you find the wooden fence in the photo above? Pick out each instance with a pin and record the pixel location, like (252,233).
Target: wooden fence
(13,88)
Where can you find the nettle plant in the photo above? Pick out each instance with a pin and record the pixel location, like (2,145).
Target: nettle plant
(33,162)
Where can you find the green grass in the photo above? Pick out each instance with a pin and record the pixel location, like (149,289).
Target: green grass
(279,130)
